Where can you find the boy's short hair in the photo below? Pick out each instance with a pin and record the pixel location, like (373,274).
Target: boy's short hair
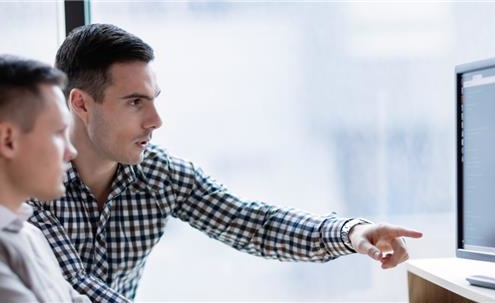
(20,97)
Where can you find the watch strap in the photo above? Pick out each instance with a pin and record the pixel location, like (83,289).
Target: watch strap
(347,227)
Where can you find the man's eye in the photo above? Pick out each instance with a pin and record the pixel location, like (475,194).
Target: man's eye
(135,102)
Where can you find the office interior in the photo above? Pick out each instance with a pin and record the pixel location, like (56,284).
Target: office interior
(320,105)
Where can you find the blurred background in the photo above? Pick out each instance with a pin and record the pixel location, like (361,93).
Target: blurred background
(322,106)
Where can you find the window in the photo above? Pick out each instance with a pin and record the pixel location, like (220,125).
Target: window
(31,29)
(320,106)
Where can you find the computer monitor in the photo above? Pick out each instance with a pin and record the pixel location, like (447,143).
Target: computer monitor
(476,160)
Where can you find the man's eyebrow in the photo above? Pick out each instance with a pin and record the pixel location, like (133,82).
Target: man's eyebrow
(141,96)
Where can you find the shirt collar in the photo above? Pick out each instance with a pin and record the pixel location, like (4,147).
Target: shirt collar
(125,175)
(10,221)
(70,174)
(124,172)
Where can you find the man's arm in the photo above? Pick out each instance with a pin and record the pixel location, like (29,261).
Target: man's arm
(274,232)
(12,289)
(69,260)
(251,226)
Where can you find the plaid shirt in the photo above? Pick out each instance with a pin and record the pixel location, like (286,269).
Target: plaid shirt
(103,252)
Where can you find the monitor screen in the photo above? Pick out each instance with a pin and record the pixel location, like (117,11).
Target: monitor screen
(476,160)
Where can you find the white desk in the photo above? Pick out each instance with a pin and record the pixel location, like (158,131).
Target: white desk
(444,280)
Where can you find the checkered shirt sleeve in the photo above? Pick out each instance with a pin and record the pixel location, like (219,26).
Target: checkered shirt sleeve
(102,252)
(286,234)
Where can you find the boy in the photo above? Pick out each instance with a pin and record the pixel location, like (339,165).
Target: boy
(34,151)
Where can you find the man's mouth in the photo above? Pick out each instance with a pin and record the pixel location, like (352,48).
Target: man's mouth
(142,143)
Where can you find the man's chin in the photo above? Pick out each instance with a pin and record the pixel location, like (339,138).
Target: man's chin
(133,160)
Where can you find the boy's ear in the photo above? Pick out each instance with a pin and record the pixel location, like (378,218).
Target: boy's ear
(78,103)
(9,136)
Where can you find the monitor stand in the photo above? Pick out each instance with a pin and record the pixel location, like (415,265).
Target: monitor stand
(483,281)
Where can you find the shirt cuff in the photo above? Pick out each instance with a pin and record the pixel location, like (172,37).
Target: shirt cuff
(332,237)
(347,227)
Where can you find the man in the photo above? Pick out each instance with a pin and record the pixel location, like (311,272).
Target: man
(121,189)
(34,151)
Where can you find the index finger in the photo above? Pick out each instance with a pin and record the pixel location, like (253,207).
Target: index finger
(399,231)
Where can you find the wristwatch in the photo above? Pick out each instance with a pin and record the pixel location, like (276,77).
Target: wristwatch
(347,227)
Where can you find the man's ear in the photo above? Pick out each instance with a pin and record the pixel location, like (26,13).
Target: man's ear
(9,139)
(79,101)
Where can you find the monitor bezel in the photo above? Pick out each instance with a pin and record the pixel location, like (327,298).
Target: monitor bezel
(461,251)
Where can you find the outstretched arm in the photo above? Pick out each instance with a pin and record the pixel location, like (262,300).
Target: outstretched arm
(254,227)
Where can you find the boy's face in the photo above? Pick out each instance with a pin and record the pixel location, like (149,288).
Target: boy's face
(120,127)
(38,167)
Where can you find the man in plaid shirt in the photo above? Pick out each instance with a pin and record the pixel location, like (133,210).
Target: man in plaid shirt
(121,189)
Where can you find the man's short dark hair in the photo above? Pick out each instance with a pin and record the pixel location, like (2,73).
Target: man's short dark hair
(88,52)
(20,97)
